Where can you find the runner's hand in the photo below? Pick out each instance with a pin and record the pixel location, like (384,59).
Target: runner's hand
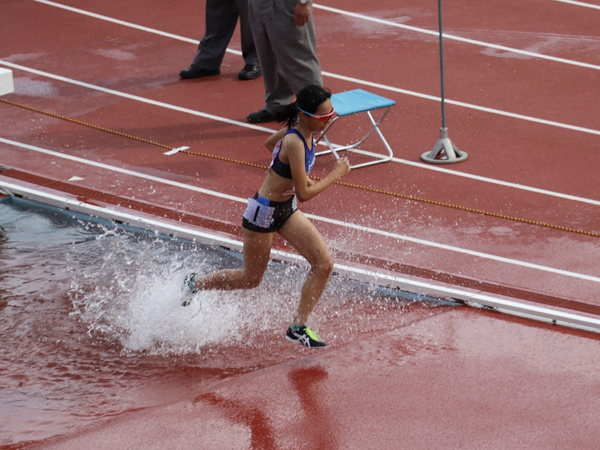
(341,168)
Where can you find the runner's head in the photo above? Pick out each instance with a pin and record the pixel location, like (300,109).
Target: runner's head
(314,105)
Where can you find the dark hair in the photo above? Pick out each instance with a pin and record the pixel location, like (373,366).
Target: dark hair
(308,99)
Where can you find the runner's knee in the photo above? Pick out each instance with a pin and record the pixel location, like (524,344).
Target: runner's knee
(324,265)
(251,282)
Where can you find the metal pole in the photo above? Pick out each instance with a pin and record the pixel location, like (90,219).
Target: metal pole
(444,151)
(442,64)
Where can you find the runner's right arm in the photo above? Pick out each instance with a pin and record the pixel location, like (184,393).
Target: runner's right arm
(272,140)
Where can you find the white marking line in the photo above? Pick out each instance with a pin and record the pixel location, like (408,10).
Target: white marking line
(465,105)
(509,306)
(119,22)
(135,97)
(498,182)
(342,12)
(269,130)
(587,5)
(175,150)
(458,38)
(319,218)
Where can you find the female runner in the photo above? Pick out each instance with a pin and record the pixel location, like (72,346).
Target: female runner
(274,209)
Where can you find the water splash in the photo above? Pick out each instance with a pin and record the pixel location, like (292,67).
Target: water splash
(134,297)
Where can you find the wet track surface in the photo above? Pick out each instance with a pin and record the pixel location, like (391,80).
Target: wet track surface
(96,351)
(93,334)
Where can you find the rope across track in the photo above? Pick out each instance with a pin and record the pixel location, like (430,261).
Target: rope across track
(340,183)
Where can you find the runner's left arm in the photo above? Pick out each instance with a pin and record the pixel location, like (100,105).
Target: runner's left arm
(306,190)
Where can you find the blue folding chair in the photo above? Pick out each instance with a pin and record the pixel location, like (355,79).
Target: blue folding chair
(355,102)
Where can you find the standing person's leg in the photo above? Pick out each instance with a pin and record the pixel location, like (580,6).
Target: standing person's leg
(295,49)
(221,20)
(248,48)
(257,249)
(305,238)
(279,92)
(288,57)
(259,13)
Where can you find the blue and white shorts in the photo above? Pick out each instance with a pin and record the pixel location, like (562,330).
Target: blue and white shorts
(266,216)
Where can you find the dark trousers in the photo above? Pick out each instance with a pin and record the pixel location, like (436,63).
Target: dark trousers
(221,20)
(287,53)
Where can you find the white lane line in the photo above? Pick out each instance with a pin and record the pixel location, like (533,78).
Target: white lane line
(476,299)
(269,130)
(346,13)
(319,218)
(458,38)
(382,86)
(135,97)
(377,85)
(363,82)
(119,22)
(507,184)
(571,2)
(340,77)
(464,105)
(121,170)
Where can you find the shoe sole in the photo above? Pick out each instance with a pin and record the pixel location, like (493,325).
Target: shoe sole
(187,291)
(188,77)
(188,300)
(298,342)
(245,78)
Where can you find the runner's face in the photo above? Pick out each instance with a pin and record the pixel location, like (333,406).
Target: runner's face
(324,109)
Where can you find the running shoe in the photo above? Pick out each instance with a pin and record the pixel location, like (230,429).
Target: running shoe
(305,336)
(189,286)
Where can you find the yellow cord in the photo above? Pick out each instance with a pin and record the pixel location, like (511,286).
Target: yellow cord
(340,183)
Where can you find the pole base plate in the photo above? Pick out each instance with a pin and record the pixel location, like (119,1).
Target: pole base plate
(444,151)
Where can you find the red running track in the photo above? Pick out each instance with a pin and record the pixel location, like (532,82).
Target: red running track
(529,124)
(435,383)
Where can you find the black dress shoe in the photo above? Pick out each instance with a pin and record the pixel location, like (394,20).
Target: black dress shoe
(261,116)
(196,72)
(249,72)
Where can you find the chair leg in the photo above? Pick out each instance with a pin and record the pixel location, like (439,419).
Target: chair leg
(334,149)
